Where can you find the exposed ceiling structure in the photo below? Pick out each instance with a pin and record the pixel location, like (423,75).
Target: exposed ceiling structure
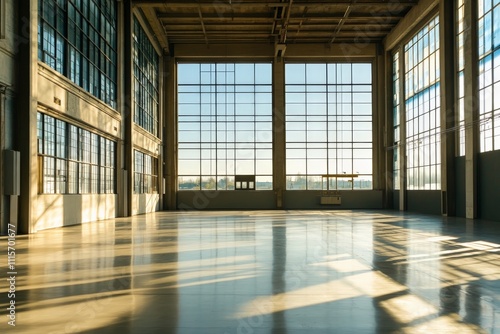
(266,21)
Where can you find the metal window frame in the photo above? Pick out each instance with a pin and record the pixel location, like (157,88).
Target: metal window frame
(329,123)
(227,146)
(416,168)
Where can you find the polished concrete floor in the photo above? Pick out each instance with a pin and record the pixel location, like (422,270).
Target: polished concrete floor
(258,272)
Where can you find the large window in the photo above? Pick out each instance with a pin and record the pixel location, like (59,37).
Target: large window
(73,160)
(146,86)
(145,173)
(328,125)
(225,125)
(422,102)
(489,74)
(460,84)
(396,120)
(78,39)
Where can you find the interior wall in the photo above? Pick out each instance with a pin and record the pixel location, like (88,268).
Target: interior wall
(424,201)
(141,139)
(460,186)
(358,199)
(488,179)
(145,203)
(266,200)
(63,100)
(145,140)
(7,102)
(7,110)
(66,100)
(395,200)
(64,210)
(338,51)
(231,199)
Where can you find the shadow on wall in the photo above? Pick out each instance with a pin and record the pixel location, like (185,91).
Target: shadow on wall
(424,201)
(64,210)
(355,199)
(266,200)
(488,185)
(226,200)
(145,203)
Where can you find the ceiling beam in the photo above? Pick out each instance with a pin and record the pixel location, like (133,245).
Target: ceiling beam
(341,23)
(210,34)
(202,24)
(304,12)
(256,17)
(211,3)
(158,29)
(297,26)
(325,34)
(265,50)
(284,26)
(275,19)
(272,21)
(409,22)
(294,41)
(226,26)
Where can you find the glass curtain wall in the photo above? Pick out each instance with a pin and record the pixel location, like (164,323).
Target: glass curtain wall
(489,74)
(225,125)
(422,103)
(328,125)
(396,120)
(460,84)
(73,160)
(145,173)
(146,81)
(78,39)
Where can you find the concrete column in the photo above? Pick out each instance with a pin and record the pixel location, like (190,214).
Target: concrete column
(3,198)
(447,84)
(402,132)
(471,107)
(128,105)
(161,130)
(170,135)
(121,182)
(26,122)
(388,154)
(279,152)
(379,93)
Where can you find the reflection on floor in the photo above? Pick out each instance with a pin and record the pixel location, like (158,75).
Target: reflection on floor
(259,272)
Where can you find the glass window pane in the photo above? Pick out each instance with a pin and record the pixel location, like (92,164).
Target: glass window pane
(422,108)
(225,124)
(340,117)
(49,177)
(67,50)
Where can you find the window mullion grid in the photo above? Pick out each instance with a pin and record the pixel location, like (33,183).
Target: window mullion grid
(327,144)
(99,166)
(234,126)
(216,127)
(143,174)
(254,144)
(77,162)
(340,144)
(226,139)
(353,123)
(306,111)
(199,129)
